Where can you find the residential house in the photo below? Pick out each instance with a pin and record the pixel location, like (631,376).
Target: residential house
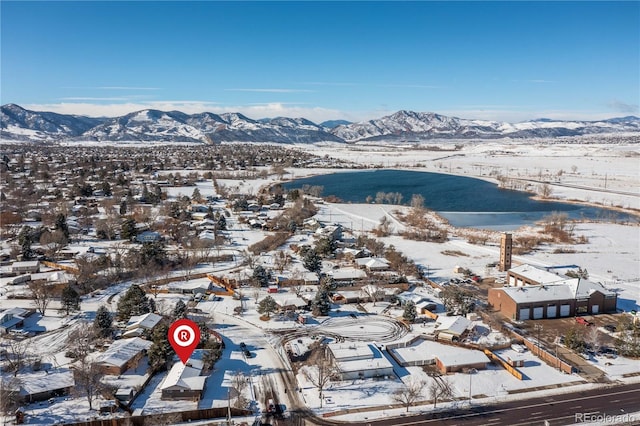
(25,267)
(447,358)
(184,381)
(347,276)
(42,385)
(122,355)
(148,237)
(453,328)
(138,324)
(13,318)
(359,361)
(373,264)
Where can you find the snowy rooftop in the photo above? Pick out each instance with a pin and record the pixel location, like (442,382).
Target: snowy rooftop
(374,361)
(373,262)
(350,351)
(123,350)
(347,274)
(539,293)
(185,377)
(42,381)
(428,350)
(536,274)
(453,324)
(148,321)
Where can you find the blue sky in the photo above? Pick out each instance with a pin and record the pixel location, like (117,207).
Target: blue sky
(324,60)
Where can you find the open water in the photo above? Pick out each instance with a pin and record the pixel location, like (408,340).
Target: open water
(464,201)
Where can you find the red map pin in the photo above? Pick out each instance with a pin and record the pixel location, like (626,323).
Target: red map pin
(184,336)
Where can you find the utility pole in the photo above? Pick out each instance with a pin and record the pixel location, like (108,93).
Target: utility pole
(228,406)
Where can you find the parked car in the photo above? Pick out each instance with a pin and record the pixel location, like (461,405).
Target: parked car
(610,328)
(583,321)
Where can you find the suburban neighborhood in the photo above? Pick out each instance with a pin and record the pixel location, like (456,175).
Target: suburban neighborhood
(302,314)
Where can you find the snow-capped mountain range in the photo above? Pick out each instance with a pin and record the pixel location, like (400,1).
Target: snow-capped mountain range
(150,125)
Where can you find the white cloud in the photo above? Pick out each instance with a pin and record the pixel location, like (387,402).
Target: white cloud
(624,107)
(126,88)
(90,98)
(516,115)
(275,109)
(269,90)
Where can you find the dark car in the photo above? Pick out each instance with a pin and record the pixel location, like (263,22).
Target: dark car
(610,328)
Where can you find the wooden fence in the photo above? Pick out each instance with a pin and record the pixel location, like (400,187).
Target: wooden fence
(166,418)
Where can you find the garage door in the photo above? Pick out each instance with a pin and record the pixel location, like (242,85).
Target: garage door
(512,281)
(564,310)
(538,313)
(552,311)
(524,314)
(595,309)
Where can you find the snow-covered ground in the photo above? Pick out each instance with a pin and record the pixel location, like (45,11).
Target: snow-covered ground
(604,174)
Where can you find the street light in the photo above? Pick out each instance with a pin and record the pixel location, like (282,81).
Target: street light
(472,371)
(538,328)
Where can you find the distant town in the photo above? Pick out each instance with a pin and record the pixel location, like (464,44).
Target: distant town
(311,310)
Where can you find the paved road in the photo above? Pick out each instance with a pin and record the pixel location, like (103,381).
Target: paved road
(558,410)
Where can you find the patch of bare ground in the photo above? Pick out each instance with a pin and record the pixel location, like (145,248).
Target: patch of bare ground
(454,253)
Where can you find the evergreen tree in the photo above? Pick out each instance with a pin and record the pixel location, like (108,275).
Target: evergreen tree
(325,246)
(267,305)
(221,224)
(204,333)
(128,229)
(180,310)
(123,208)
(410,312)
(196,196)
(61,224)
(321,304)
(160,352)
(145,193)
(106,188)
(312,261)
(260,276)
(103,322)
(134,302)
(70,300)
(209,214)
(328,284)
(25,239)
(153,254)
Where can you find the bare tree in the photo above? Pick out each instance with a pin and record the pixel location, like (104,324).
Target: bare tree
(440,388)
(88,380)
(80,339)
(53,242)
(409,393)
(16,353)
(297,288)
(240,382)
(249,259)
(384,228)
(9,394)
(592,338)
(281,261)
(374,292)
(41,295)
(545,190)
(321,375)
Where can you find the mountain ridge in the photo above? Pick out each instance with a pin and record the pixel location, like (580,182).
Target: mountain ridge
(151,125)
